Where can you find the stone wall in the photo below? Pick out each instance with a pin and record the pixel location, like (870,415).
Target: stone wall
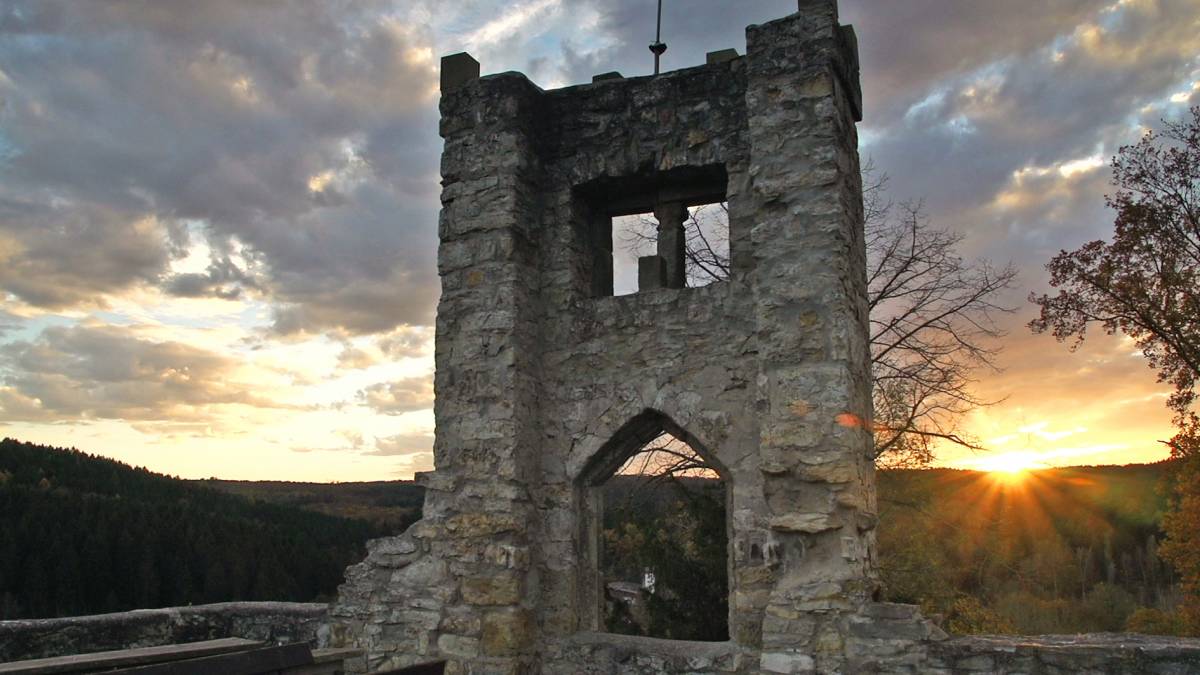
(279,622)
(1098,654)
(545,381)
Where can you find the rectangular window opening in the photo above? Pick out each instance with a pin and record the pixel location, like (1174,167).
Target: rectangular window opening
(634,237)
(705,250)
(706,247)
(664,230)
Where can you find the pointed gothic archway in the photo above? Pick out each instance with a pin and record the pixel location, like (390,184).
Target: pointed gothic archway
(655,534)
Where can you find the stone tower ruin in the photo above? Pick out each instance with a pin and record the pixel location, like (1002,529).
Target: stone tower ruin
(545,380)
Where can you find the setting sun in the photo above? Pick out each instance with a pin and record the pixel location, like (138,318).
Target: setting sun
(1013,464)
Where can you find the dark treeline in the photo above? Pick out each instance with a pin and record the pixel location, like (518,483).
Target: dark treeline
(83,534)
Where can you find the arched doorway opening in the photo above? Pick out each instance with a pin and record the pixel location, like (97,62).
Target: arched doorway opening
(657,519)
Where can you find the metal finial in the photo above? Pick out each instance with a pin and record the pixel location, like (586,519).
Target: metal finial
(658,47)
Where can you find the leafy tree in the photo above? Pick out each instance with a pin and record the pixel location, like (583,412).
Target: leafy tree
(1182,523)
(1151,621)
(932,316)
(968,616)
(1145,284)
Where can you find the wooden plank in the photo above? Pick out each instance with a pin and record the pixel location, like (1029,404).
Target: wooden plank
(79,663)
(251,662)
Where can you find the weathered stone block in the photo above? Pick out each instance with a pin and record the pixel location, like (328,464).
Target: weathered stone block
(809,523)
(494,590)
(482,524)
(457,645)
(720,56)
(506,633)
(787,663)
(457,70)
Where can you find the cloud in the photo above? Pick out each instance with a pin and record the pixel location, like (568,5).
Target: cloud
(285,156)
(8,322)
(1066,85)
(407,342)
(415,443)
(509,24)
(353,358)
(88,372)
(312,143)
(399,397)
(63,253)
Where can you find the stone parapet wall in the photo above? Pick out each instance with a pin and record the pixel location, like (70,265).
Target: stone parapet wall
(1107,653)
(278,622)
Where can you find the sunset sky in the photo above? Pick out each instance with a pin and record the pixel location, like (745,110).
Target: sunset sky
(218,218)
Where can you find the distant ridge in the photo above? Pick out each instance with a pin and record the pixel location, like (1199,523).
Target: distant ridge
(390,505)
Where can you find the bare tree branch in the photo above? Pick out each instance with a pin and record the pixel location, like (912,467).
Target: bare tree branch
(932,317)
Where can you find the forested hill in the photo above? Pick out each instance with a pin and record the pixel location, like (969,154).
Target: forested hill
(392,505)
(1060,550)
(83,534)
(1052,551)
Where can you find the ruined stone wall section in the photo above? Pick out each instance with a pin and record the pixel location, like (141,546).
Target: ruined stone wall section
(457,585)
(813,365)
(538,373)
(278,622)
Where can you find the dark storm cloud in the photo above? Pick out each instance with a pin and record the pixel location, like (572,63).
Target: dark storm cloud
(304,131)
(108,372)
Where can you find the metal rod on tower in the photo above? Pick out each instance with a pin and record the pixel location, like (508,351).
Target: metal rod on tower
(658,47)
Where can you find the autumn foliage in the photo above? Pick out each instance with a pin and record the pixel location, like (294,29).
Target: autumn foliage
(1145,284)
(1182,523)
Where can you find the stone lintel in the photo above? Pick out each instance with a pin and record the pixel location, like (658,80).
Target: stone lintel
(720,56)
(457,70)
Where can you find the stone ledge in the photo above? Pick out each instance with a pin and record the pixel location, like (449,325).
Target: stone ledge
(657,646)
(607,652)
(1113,653)
(264,621)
